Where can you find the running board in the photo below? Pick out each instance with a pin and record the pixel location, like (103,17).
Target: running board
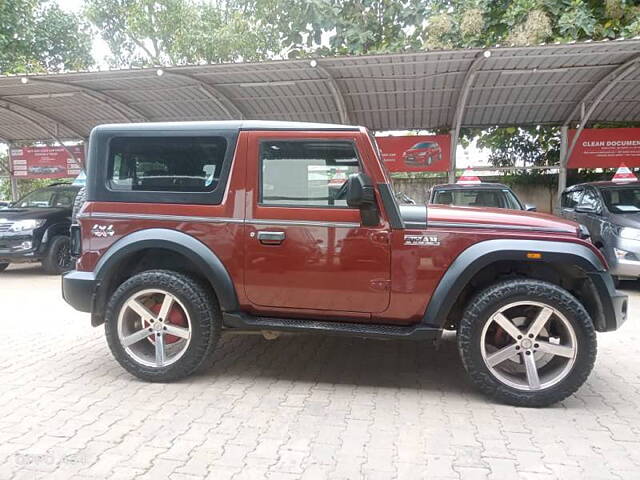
(241,321)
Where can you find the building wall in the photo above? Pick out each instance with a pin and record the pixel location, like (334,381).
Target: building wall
(544,197)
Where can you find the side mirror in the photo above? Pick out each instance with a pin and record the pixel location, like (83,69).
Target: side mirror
(530,208)
(361,194)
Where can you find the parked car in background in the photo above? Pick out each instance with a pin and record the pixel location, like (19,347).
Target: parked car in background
(4,203)
(611,213)
(193,229)
(36,228)
(492,195)
(422,154)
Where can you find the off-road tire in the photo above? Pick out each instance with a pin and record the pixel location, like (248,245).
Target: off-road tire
(487,302)
(77,204)
(50,263)
(202,307)
(3,266)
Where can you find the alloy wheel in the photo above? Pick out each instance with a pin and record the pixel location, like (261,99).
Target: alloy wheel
(528,345)
(154,328)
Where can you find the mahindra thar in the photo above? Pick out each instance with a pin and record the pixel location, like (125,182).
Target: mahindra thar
(191,230)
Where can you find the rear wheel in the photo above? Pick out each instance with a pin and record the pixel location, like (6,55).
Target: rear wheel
(162,325)
(58,257)
(527,342)
(3,266)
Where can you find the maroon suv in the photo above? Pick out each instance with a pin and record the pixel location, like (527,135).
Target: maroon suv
(191,230)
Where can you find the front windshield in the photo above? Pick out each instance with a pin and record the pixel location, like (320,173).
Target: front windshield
(48,198)
(481,197)
(622,199)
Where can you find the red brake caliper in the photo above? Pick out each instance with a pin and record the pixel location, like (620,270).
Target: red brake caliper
(176,317)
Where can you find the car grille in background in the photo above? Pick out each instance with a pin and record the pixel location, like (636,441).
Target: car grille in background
(4,227)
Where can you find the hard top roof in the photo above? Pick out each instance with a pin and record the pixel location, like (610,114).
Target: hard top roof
(604,184)
(226,125)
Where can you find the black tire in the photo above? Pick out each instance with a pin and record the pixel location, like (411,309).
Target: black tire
(482,307)
(57,260)
(77,204)
(3,266)
(202,307)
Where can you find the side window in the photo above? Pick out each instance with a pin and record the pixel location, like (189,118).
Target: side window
(166,164)
(590,199)
(306,173)
(571,199)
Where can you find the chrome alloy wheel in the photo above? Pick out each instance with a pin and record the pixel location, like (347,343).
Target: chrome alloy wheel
(154,328)
(528,345)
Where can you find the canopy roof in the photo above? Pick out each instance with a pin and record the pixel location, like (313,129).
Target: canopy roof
(546,84)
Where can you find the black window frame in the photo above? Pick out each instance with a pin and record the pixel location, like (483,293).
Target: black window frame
(98,188)
(301,140)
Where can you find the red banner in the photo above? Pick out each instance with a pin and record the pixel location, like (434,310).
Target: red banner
(46,162)
(417,153)
(605,148)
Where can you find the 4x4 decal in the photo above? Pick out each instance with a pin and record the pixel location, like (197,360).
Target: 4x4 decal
(102,231)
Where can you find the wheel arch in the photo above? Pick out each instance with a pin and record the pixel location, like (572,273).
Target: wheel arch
(564,260)
(197,256)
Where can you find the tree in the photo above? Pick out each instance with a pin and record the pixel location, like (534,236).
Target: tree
(175,32)
(37,36)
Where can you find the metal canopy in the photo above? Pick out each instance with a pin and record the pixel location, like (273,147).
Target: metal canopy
(546,84)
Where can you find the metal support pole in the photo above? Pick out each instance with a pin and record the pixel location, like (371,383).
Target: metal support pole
(452,156)
(12,178)
(562,173)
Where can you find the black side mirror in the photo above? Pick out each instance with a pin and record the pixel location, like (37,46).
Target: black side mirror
(361,194)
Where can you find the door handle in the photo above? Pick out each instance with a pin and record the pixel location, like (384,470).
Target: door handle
(271,238)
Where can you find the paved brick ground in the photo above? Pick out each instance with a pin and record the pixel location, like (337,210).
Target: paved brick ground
(298,407)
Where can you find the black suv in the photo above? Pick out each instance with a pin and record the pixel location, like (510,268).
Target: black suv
(36,228)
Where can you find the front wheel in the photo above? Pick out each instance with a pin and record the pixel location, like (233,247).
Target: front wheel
(527,342)
(58,257)
(162,325)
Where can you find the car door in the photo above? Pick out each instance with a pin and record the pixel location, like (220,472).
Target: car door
(569,201)
(591,219)
(305,248)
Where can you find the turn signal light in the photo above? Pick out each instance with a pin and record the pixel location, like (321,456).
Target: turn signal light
(534,255)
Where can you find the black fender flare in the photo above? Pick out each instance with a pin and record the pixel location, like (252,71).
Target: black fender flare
(482,254)
(58,228)
(196,251)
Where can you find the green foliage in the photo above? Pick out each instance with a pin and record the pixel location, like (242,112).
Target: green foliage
(37,36)
(174,32)
(521,147)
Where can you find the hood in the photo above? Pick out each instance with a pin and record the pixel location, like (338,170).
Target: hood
(416,216)
(499,218)
(623,219)
(15,214)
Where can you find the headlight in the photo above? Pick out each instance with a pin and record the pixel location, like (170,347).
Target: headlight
(629,233)
(24,225)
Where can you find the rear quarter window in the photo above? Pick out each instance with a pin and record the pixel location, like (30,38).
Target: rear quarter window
(160,166)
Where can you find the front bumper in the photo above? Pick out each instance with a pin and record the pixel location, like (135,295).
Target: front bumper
(78,289)
(18,247)
(613,304)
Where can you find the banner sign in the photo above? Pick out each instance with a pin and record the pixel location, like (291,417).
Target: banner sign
(605,148)
(46,162)
(417,153)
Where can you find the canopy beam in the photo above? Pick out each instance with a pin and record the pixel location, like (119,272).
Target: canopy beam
(44,129)
(122,108)
(461,102)
(336,93)
(48,116)
(603,86)
(213,93)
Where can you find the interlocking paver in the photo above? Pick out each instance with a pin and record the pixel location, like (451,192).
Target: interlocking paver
(297,407)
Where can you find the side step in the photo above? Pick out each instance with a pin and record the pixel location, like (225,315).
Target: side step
(366,330)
